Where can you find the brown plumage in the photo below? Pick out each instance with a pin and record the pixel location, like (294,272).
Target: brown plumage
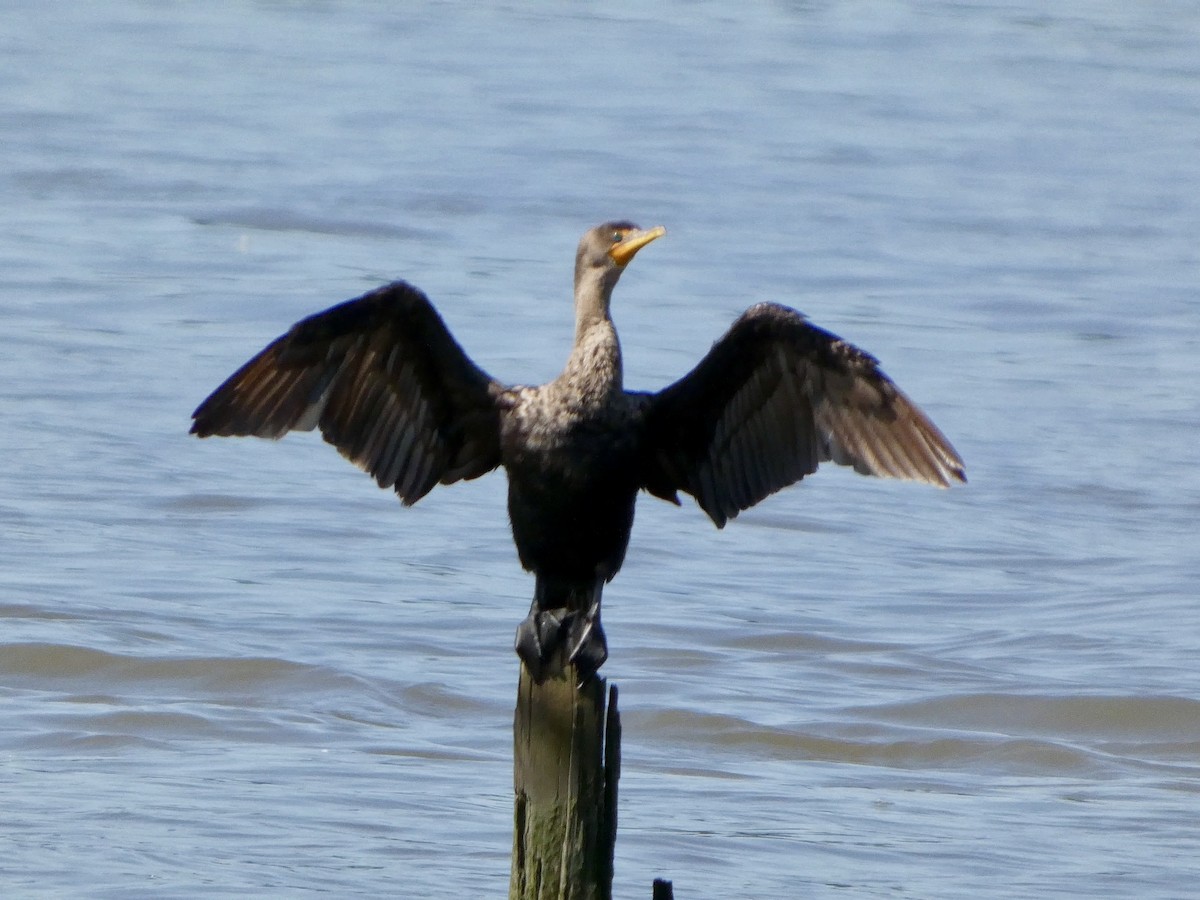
(388,385)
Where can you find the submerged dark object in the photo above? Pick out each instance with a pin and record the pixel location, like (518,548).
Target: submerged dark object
(388,385)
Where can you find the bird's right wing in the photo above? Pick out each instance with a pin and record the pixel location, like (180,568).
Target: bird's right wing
(774,398)
(386,383)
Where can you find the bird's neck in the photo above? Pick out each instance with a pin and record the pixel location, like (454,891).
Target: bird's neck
(596,356)
(593,290)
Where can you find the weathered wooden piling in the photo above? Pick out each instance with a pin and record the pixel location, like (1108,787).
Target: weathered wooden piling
(566,763)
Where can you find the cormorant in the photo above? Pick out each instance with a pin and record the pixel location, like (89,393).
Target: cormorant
(388,385)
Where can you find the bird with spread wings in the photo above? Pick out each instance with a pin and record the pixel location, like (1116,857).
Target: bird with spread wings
(387,384)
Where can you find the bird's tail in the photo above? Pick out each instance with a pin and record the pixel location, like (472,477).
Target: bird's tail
(552,593)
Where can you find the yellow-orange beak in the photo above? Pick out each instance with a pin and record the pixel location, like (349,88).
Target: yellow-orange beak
(623,252)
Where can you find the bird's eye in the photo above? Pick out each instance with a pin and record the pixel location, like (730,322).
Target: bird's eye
(618,236)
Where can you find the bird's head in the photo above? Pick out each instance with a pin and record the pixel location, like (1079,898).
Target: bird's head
(606,249)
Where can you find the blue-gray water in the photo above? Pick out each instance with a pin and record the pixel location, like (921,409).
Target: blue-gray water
(236,668)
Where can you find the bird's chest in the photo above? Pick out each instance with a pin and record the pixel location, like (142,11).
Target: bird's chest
(572,484)
(568,439)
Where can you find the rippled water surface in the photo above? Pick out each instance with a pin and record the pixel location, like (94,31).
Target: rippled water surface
(235,668)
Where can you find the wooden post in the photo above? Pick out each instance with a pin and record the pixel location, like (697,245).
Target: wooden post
(566,762)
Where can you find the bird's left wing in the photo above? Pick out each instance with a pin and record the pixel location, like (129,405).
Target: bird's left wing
(386,383)
(775,397)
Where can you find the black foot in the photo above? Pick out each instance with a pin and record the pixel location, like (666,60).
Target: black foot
(587,647)
(539,636)
(578,636)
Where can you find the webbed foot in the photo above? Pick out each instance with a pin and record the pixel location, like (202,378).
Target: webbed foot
(587,647)
(540,636)
(548,640)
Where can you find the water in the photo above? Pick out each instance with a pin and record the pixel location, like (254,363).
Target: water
(233,668)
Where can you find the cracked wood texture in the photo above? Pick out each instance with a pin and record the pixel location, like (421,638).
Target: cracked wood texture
(566,763)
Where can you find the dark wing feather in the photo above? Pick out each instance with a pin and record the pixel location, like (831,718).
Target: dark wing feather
(386,383)
(774,398)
